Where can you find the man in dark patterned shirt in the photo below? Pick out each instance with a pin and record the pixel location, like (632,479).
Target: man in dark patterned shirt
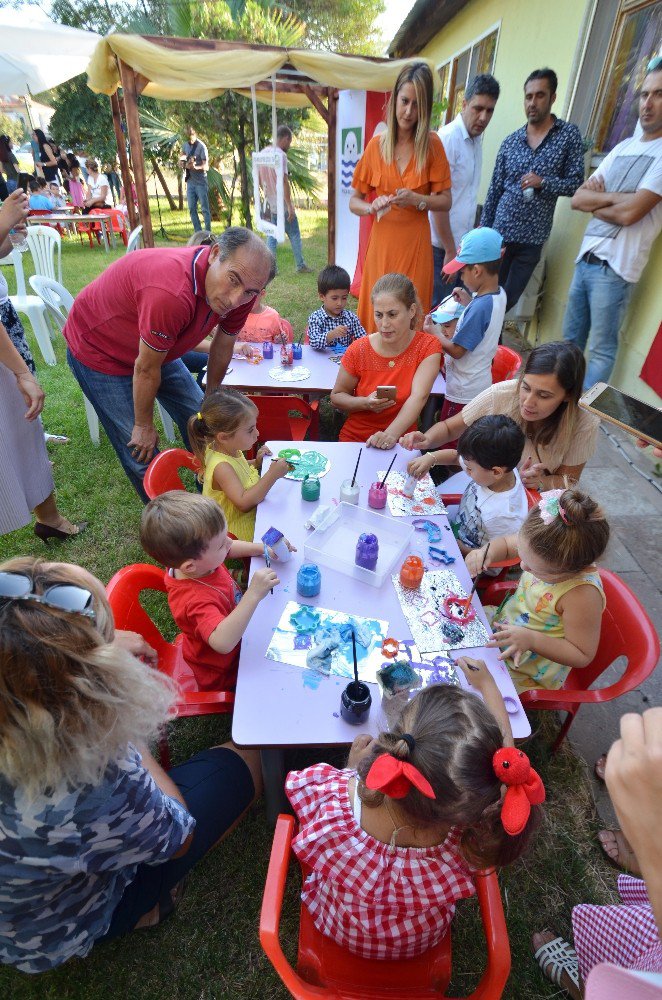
(535,165)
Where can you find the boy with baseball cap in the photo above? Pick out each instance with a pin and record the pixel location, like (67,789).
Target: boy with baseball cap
(470,342)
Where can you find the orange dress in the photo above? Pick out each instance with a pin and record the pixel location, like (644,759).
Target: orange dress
(371,369)
(400,242)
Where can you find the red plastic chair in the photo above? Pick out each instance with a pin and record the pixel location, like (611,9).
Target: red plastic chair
(626,631)
(506,362)
(117,221)
(274,421)
(532,498)
(324,969)
(163,471)
(124,592)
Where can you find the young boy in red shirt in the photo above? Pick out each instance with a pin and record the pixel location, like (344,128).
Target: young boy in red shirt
(188,534)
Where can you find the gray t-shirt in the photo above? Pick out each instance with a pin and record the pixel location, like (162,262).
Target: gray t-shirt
(198,151)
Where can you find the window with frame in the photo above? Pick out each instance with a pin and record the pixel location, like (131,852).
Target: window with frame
(456,74)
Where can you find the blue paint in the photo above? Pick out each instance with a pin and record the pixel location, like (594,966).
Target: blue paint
(311,679)
(302,641)
(309,580)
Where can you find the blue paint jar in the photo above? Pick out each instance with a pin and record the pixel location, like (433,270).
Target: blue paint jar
(297,352)
(309,580)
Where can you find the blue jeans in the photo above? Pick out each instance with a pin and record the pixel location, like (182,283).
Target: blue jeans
(198,193)
(597,301)
(294,233)
(112,398)
(443,286)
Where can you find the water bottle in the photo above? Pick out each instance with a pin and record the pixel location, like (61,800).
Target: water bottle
(19,241)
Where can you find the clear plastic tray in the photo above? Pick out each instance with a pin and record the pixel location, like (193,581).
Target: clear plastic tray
(333,543)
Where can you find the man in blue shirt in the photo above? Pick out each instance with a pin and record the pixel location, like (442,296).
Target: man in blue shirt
(535,165)
(195,162)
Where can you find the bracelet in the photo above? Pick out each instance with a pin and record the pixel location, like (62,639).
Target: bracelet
(541,486)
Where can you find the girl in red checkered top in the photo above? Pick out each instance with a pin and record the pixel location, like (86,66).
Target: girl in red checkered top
(392,841)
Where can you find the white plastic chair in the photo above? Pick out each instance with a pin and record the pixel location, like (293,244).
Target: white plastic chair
(58,301)
(133,243)
(45,244)
(32,307)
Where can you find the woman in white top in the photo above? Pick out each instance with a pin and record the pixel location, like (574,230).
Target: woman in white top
(559,437)
(97,188)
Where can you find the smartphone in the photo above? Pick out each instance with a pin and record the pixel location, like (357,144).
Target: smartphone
(632,415)
(23,179)
(387,392)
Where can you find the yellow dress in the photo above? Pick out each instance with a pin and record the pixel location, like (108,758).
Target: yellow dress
(240,524)
(400,242)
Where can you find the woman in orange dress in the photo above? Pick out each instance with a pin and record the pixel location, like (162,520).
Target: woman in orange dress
(406,169)
(396,356)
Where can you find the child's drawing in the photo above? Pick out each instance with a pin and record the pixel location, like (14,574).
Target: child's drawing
(424,610)
(307,463)
(327,647)
(425,500)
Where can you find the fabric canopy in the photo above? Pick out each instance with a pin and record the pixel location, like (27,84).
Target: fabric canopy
(36,57)
(201,74)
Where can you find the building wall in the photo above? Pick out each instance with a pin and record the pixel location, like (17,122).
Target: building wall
(534,33)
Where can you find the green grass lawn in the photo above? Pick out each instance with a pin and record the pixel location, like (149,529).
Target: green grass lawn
(209,950)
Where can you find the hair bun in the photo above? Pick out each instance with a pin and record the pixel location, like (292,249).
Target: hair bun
(579,507)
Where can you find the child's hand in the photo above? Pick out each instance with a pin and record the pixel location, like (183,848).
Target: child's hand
(461,295)
(414,440)
(532,474)
(515,638)
(383,440)
(279,468)
(262,582)
(429,326)
(419,466)
(336,333)
(273,556)
(476,673)
(476,561)
(261,452)
(245,349)
(359,747)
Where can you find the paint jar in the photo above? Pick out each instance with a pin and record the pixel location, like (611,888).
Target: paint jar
(377,495)
(338,349)
(355,703)
(297,352)
(367,551)
(309,580)
(267,350)
(310,488)
(411,572)
(349,493)
(409,487)
(286,355)
(276,541)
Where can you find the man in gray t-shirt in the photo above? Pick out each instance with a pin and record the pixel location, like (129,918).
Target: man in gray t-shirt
(194,160)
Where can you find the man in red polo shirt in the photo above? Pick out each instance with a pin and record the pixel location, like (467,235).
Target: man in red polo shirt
(128,329)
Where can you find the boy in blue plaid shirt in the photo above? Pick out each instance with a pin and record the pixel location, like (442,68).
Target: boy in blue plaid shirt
(333,323)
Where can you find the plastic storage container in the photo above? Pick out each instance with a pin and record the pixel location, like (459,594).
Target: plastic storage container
(333,543)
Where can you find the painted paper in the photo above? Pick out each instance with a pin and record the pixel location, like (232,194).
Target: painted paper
(424,610)
(425,500)
(297,374)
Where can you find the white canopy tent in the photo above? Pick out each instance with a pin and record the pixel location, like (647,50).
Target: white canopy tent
(35,57)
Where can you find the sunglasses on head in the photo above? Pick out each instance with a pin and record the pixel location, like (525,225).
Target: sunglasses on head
(62,596)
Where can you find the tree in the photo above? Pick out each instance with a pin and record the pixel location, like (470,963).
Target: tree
(83,119)
(347,26)
(13,127)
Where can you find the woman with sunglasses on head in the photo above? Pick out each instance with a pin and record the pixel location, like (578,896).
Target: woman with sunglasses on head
(26,483)
(97,837)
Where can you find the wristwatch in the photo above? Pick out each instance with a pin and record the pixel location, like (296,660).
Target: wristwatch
(422,206)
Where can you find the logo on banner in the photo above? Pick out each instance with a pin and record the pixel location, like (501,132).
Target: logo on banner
(352,148)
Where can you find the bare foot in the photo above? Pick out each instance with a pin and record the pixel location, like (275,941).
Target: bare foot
(615,845)
(553,969)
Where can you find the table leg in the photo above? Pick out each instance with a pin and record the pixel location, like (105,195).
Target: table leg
(273,774)
(104,234)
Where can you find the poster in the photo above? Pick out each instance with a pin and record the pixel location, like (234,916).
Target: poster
(268,193)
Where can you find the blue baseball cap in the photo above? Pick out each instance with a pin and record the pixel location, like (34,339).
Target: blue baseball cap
(478,246)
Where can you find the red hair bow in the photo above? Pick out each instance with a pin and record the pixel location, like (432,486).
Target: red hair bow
(395,777)
(525,788)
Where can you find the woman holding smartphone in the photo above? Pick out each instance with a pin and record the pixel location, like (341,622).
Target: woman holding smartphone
(385,378)
(559,436)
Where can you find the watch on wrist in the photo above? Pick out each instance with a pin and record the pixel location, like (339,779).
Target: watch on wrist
(422,205)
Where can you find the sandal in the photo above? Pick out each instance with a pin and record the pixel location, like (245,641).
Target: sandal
(599,767)
(161,911)
(625,859)
(556,957)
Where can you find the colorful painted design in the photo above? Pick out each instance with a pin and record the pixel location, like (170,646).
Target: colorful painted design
(424,610)
(309,463)
(425,500)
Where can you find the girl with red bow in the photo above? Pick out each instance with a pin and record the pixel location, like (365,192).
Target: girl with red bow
(392,840)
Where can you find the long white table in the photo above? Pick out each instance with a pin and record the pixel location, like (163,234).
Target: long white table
(73,221)
(276,704)
(322,378)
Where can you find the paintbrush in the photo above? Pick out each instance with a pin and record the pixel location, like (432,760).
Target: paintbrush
(356,467)
(356,666)
(465,606)
(300,337)
(268,562)
(383,482)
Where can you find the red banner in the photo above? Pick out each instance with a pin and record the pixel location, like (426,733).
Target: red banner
(651,372)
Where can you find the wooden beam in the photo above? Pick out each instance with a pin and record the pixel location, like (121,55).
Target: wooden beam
(123,158)
(129,87)
(332,101)
(218,45)
(316,103)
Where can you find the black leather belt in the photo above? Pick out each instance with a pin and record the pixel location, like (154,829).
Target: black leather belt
(591,258)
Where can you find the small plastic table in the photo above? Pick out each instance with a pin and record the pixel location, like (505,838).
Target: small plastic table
(277,705)
(61,218)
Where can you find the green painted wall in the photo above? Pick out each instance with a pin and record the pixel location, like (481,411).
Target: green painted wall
(535,33)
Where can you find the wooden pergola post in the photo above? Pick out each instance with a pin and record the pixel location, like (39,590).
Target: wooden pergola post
(133,85)
(124,159)
(331,174)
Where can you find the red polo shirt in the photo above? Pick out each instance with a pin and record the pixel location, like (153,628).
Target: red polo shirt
(153,295)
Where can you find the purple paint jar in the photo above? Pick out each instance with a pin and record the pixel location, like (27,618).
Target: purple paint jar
(377,495)
(267,350)
(367,551)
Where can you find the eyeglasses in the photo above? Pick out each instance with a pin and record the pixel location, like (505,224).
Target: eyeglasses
(63,596)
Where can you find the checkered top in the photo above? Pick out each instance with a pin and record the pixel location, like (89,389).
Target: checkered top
(376,901)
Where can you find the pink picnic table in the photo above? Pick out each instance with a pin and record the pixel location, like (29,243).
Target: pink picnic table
(322,378)
(279,705)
